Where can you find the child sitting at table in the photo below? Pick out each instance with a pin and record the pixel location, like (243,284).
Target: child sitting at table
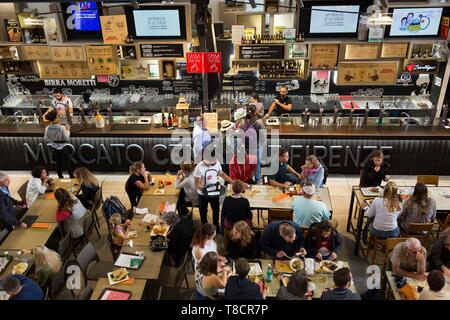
(119,230)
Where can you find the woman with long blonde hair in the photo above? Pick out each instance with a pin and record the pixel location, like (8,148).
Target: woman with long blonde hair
(313,172)
(243,243)
(385,211)
(46,264)
(89,186)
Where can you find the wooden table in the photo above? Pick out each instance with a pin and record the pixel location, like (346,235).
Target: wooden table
(44,209)
(136,289)
(151,267)
(321,280)
(153,202)
(71,185)
(356,213)
(262,198)
(9,268)
(412,282)
(27,238)
(169,190)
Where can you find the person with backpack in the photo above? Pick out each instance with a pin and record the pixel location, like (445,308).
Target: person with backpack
(206,175)
(138,181)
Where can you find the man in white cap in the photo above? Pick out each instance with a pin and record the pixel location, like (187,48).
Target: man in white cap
(408,259)
(307,210)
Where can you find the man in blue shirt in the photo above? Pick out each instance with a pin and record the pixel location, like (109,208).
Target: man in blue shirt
(282,239)
(307,210)
(286,175)
(10,208)
(239,287)
(22,288)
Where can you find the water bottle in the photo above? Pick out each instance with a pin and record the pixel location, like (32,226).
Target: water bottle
(269,273)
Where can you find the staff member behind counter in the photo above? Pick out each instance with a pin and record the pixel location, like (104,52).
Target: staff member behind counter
(281,104)
(60,103)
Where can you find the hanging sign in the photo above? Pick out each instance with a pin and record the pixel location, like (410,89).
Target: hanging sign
(213,62)
(194,62)
(114,29)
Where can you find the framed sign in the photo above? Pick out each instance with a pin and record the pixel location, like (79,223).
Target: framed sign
(101,59)
(5,53)
(67,53)
(258,52)
(114,29)
(36,53)
(371,73)
(163,50)
(394,50)
(324,56)
(361,51)
(212,121)
(63,70)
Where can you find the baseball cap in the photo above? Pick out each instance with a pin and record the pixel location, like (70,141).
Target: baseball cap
(309,189)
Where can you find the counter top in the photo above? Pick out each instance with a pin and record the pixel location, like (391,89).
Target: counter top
(385,132)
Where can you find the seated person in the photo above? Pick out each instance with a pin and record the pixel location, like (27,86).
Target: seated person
(408,259)
(188,192)
(243,169)
(281,239)
(323,242)
(203,242)
(88,186)
(243,242)
(47,263)
(235,207)
(208,280)
(138,181)
(313,172)
(119,230)
(296,289)
(307,210)
(70,212)
(375,171)
(180,236)
(436,283)
(20,287)
(10,208)
(417,209)
(240,287)
(439,257)
(286,175)
(37,185)
(342,279)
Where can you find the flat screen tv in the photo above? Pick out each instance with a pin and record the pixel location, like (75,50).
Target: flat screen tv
(413,22)
(85,22)
(157,22)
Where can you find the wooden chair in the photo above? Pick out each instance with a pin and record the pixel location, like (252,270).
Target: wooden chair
(429,180)
(443,223)
(22,192)
(421,231)
(85,294)
(173,277)
(279,214)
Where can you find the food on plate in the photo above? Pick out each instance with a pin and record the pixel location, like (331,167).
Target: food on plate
(283,266)
(327,267)
(119,274)
(168,183)
(374,190)
(20,268)
(160,184)
(296,264)
(159,229)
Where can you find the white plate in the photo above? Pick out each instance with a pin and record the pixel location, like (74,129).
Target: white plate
(255,269)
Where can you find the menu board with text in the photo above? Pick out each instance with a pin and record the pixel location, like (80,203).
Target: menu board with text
(36,53)
(212,121)
(63,70)
(101,59)
(67,53)
(324,56)
(394,50)
(361,51)
(173,50)
(257,52)
(375,72)
(114,29)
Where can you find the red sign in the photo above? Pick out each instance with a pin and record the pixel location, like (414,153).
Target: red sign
(213,62)
(194,62)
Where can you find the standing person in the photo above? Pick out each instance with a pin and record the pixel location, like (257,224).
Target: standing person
(235,208)
(286,175)
(206,173)
(138,181)
(20,287)
(240,287)
(313,172)
(281,104)
(47,263)
(201,137)
(58,137)
(261,136)
(307,210)
(11,209)
(244,171)
(342,279)
(417,209)
(259,107)
(385,211)
(188,192)
(88,185)
(70,212)
(59,103)
(37,185)
(375,171)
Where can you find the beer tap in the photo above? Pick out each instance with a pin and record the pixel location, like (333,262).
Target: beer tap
(352,111)
(110,114)
(444,114)
(320,113)
(336,113)
(83,116)
(381,114)
(366,113)
(39,112)
(68,115)
(306,116)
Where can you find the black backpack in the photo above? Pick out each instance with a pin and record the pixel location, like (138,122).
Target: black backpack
(113,205)
(325,172)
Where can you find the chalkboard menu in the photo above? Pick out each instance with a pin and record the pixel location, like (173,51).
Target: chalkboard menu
(258,52)
(162,50)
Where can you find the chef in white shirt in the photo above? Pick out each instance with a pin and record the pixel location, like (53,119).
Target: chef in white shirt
(60,103)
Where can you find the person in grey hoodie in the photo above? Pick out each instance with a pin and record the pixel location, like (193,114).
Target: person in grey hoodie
(57,136)
(342,279)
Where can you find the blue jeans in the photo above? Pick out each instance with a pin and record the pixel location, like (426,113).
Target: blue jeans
(292,178)
(384,234)
(199,296)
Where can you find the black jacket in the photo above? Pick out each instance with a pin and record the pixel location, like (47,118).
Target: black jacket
(311,241)
(180,239)
(87,195)
(242,289)
(236,250)
(370,178)
(340,294)
(8,215)
(439,255)
(272,241)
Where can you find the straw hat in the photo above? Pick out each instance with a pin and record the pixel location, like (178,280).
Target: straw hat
(225,125)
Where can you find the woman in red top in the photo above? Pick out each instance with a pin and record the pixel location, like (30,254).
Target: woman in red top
(243,170)
(70,212)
